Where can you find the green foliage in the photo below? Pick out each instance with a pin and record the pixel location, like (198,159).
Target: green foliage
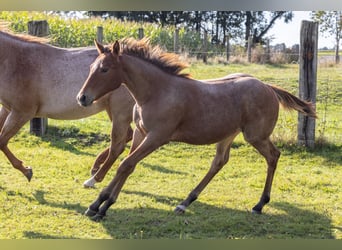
(80,33)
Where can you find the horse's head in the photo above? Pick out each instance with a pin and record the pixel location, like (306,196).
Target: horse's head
(105,74)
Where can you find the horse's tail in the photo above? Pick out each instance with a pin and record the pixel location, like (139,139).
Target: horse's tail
(289,101)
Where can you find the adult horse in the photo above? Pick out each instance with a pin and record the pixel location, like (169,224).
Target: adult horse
(40,80)
(170,106)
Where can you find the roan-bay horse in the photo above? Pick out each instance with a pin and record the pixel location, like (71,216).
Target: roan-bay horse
(40,80)
(171,106)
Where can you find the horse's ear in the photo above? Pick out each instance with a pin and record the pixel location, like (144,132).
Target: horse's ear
(116,48)
(100,48)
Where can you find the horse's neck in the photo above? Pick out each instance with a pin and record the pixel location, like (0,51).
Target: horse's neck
(142,78)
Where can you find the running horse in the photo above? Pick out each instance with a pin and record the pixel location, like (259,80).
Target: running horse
(171,106)
(40,80)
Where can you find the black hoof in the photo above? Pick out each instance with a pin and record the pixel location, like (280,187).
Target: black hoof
(29,174)
(90,213)
(97,217)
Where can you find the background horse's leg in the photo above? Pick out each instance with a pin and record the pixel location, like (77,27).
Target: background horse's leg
(13,122)
(221,158)
(109,195)
(271,154)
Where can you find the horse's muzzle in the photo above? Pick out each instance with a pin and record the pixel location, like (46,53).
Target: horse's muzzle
(84,100)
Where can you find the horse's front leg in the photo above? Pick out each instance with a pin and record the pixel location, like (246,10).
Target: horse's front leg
(12,122)
(101,158)
(109,195)
(120,132)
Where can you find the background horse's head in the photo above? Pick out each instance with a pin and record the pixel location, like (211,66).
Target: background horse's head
(105,74)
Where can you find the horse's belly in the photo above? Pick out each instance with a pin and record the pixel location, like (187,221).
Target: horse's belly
(203,136)
(72,112)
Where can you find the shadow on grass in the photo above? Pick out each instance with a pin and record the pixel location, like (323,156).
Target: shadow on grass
(331,153)
(161,169)
(67,138)
(35,235)
(202,221)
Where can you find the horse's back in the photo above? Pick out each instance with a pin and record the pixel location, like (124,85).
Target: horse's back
(219,108)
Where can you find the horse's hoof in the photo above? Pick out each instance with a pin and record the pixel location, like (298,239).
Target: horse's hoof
(90,213)
(256,211)
(89,183)
(29,174)
(97,217)
(180,209)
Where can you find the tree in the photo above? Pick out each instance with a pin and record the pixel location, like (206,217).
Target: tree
(258,23)
(220,24)
(331,23)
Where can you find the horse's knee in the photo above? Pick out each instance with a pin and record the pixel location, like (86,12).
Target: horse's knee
(125,168)
(117,149)
(219,161)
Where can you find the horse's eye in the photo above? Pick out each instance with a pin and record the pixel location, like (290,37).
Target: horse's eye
(104,70)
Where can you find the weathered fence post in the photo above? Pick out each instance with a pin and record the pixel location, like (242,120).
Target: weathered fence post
(249,49)
(141,33)
(227,48)
(307,80)
(99,34)
(38,126)
(268,51)
(205,47)
(176,41)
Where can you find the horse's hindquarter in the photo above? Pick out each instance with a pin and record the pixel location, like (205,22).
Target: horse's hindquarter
(217,110)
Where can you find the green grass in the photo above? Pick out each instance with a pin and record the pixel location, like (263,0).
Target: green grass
(305,202)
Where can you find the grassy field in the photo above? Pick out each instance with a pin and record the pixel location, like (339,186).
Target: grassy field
(306,196)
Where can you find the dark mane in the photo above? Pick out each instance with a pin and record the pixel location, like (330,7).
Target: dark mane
(169,62)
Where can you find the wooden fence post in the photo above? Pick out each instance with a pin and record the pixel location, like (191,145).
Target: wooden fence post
(38,126)
(307,80)
(176,41)
(141,33)
(268,51)
(227,48)
(205,47)
(99,34)
(249,49)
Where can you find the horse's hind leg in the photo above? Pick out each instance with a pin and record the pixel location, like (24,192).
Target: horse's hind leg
(221,158)
(271,154)
(3,116)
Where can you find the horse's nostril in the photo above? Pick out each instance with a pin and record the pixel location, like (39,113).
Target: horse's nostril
(82,98)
